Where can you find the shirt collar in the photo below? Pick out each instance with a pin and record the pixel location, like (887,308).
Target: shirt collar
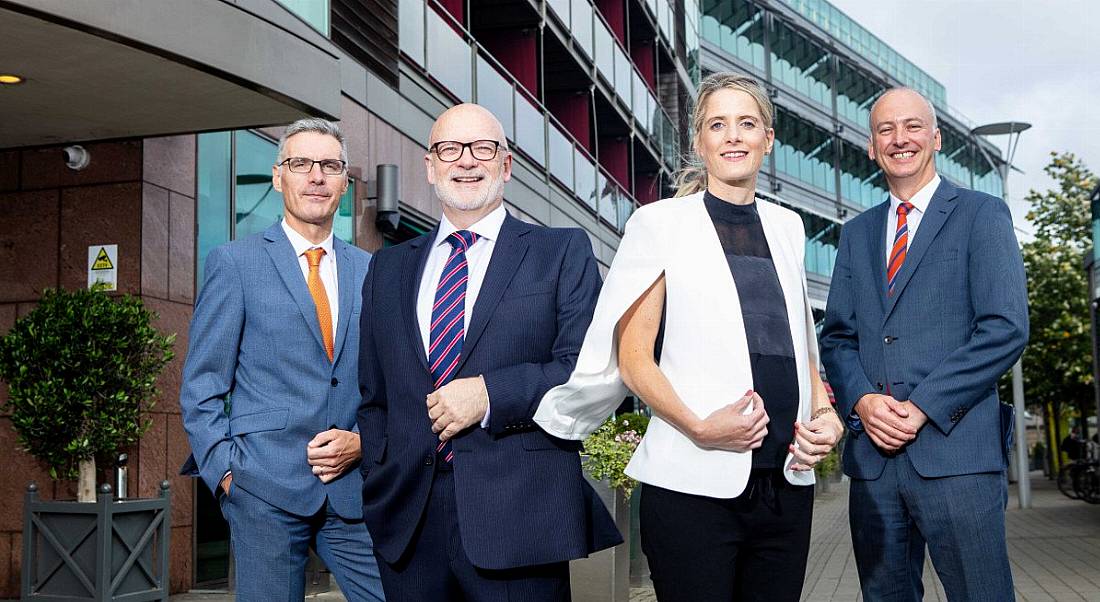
(487,227)
(921,199)
(301,245)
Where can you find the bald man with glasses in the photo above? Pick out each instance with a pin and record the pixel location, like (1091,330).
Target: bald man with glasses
(463,330)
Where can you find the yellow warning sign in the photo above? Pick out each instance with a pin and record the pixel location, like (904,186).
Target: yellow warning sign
(102,261)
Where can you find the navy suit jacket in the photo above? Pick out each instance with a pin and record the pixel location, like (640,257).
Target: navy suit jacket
(521,497)
(255,340)
(956,322)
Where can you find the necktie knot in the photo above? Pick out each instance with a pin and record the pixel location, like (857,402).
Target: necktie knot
(313,256)
(904,208)
(462,239)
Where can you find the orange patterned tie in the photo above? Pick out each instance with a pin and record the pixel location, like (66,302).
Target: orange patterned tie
(320,297)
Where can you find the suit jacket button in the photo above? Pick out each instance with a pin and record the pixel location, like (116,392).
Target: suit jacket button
(878,386)
(428,460)
(335,382)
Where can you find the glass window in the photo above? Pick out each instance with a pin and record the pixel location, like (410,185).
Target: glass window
(410,25)
(214,182)
(343,223)
(736,26)
(641,100)
(585,187)
(801,64)
(561,7)
(530,130)
(605,58)
(623,71)
(608,208)
(236,196)
(494,92)
(561,157)
(862,182)
(810,155)
(448,57)
(626,209)
(257,205)
(582,24)
(314,12)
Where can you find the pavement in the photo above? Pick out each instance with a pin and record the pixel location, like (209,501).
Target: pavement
(1054,548)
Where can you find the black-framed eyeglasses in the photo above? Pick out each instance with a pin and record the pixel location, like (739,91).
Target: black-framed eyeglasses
(449,151)
(329,167)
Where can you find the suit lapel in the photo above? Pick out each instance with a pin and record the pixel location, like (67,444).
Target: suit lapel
(345,274)
(939,209)
(286,263)
(878,248)
(508,253)
(412,272)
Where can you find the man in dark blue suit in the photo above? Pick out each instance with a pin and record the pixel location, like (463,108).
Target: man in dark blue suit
(463,330)
(927,309)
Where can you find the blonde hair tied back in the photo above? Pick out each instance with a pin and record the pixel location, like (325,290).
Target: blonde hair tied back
(692,177)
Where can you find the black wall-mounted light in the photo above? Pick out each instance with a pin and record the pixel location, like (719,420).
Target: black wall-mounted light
(387,198)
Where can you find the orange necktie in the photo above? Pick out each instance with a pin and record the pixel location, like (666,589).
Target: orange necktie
(320,297)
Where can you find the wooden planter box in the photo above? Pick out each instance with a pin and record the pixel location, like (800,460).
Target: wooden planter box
(103,551)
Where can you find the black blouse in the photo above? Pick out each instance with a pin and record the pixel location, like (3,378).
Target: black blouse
(767,329)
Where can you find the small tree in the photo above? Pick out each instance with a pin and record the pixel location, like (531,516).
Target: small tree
(81,368)
(1058,360)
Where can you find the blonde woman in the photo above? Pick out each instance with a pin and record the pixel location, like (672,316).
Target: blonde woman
(740,413)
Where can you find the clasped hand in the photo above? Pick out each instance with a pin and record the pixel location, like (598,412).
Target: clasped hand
(457,405)
(332,452)
(891,424)
(731,428)
(814,440)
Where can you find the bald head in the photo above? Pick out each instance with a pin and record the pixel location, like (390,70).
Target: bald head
(467,122)
(909,92)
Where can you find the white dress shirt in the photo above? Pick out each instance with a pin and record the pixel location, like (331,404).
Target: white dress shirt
(477,263)
(920,203)
(327,268)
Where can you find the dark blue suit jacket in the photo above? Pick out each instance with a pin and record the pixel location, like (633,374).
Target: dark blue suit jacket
(956,322)
(521,497)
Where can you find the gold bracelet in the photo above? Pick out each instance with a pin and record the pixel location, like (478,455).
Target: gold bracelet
(822,411)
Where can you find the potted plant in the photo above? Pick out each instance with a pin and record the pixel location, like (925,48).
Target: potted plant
(81,369)
(605,576)
(826,468)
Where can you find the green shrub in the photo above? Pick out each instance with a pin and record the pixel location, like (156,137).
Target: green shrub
(610,447)
(828,465)
(80,369)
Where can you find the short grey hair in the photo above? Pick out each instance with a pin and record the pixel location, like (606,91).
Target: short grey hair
(931,107)
(318,126)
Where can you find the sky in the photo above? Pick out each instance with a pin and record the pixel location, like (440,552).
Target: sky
(1006,60)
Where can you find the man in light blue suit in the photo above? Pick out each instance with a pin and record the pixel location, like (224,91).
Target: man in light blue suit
(927,309)
(270,390)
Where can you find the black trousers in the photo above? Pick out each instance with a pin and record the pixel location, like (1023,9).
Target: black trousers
(752,547)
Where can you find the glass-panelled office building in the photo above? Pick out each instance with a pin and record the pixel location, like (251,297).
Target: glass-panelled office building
(823,72)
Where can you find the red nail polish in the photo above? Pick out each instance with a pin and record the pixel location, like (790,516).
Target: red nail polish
(748,393)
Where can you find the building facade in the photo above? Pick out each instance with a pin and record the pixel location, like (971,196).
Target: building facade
(823,72)
(179,107)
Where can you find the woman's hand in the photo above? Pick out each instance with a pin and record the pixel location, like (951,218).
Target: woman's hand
(730,428)
(814,440)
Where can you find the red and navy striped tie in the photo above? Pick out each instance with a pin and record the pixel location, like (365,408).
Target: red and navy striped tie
(449,319)
(901,245)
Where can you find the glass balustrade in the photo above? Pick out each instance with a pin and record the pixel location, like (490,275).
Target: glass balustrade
(495,92)
(448,57)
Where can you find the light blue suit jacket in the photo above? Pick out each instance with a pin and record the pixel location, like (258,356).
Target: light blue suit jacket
(255,341)
(956,322)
